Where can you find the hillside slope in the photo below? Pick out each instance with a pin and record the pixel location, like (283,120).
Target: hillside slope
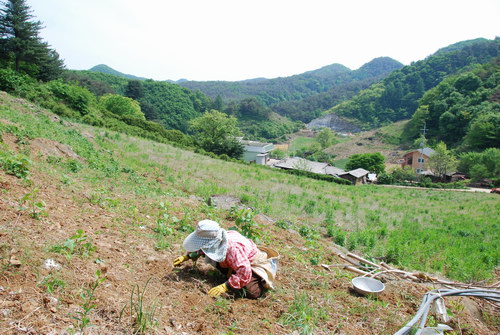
(100,200)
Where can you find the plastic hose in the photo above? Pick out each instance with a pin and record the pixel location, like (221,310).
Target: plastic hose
(429,298)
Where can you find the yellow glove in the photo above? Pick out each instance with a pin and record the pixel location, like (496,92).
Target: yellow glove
(181,259)
(218,290)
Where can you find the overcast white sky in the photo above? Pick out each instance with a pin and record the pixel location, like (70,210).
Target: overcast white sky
(236,39)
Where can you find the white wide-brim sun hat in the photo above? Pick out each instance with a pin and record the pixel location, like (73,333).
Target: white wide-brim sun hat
(210,238)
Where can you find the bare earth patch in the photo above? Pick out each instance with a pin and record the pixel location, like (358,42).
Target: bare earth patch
(366,142)
(46,147)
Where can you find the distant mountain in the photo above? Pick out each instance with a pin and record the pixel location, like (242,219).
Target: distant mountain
(380,66)
(311,107)
(396,97)
(106,69)
(296,87)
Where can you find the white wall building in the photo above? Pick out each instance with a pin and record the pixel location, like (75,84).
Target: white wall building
(256,152)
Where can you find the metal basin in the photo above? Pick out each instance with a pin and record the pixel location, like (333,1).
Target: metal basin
(366,285)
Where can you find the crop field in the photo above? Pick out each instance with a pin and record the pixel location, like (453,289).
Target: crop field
(90,199)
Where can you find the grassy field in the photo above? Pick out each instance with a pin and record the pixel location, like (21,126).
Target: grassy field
(453,233)
(301,142)
(114,216)
(392,133)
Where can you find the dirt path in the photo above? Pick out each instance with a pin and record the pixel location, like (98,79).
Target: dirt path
(469,189)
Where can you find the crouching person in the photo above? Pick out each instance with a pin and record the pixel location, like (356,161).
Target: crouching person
(245,265)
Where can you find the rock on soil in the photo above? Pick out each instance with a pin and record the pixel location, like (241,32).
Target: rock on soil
(47,147)
(225,202)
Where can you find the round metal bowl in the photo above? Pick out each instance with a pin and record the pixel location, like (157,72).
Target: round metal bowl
(366,285)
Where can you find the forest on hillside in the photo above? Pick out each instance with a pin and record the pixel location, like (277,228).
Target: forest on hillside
(302,97)
(396,97)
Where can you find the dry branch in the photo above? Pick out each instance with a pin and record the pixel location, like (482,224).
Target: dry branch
(383,269)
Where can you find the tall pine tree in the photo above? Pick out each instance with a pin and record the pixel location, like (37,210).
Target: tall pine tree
(20,44)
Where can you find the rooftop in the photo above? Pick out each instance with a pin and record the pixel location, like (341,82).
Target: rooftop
(297,163)
(254,143)
(426,151)
(358,173)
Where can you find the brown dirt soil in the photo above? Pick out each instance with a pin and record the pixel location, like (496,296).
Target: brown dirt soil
(45,147)
(366,142)
(10,141)
(180,295)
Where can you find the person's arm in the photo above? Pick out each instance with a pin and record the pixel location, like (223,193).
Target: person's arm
(239,262)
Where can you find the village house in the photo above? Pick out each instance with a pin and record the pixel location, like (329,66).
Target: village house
(256,152)
(418,159)
(356,177)
(297,163)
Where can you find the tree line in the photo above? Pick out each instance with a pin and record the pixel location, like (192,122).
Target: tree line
(21,47)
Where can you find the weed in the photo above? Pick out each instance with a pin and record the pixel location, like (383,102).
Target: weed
(284,224)
(83,317)
(220,306)
(310,207)
(162,228)
(303,316)
(339,236)
(231,329)
(99,198)
(166,223)
(65,180)
(143,316)
(73,165)
(162,243)
(52,283)
(54,160)
(35,207)
(308,233)
(16,165)
(246,225)
(491,318)
(78,244)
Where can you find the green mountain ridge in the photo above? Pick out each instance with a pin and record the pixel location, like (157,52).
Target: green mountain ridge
(299,86)
(106,69)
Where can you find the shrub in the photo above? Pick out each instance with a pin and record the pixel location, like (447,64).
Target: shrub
(76,97)
(121,105)
(481,165)
(373,162)
(94,118)
(318,176)
(14,82)
(59,108)
(16,165)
